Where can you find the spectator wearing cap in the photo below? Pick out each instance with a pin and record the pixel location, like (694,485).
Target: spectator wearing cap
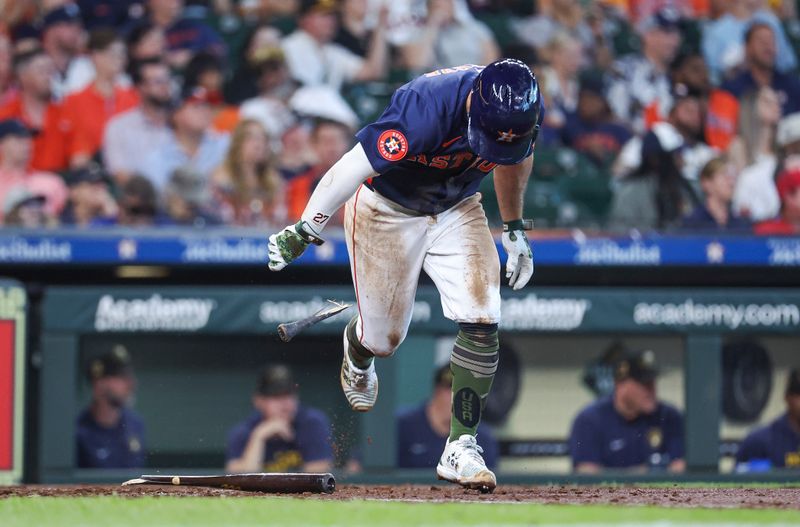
(330,140)
(263,44)
(776,445)
(448,36)
(116,14)
(34,106)
(185,36)
(206,71)
(714,213)
(191,143)
(423,429)
(187,199)
(630,429)
(592,129)
(16,146)
(788,220)
(247,184)
(89,197)
(62,37)
(282,434)
(25,209)
(89,110)
(144,128)
(110,434)
(723,37)
(759,72)
(639,81)
(269,105)
(313,58)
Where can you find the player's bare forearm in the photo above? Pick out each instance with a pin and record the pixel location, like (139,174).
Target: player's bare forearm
(510,182)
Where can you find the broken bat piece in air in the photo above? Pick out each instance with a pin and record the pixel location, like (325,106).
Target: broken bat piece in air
(287,331)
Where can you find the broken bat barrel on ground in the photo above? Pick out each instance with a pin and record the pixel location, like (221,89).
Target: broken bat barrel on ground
(277,483)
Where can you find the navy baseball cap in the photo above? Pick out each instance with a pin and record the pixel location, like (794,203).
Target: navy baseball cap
(637,365)
(505,112)
(14,127)
(66,14)
(665,19)
(276,380)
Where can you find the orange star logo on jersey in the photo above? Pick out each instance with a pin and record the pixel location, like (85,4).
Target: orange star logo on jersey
(507,137)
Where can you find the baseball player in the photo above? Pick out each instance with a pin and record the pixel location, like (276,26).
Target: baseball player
(411,190)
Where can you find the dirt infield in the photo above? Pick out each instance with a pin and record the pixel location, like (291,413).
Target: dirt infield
(755,498)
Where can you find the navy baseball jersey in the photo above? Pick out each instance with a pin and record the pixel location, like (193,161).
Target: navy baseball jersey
(311,442)
(418,446)
(419,145)
(119,447)
(601,435)
(777,443)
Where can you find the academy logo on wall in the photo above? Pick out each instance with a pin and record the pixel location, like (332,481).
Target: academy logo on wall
(731,316)
(152,314)
(532,312)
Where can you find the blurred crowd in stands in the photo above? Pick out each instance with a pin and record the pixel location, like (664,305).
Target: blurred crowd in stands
(661,114)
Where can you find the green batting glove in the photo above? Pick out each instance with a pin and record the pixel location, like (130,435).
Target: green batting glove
(289,244)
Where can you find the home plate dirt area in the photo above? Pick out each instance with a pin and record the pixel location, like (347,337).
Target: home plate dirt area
(664,496)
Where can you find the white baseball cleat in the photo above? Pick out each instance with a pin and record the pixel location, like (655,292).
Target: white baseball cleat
(360,386)
(462,463)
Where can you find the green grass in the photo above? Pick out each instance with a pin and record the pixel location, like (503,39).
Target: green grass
(245,512)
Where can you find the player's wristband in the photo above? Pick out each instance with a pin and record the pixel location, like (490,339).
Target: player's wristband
(304,233)
(517,225)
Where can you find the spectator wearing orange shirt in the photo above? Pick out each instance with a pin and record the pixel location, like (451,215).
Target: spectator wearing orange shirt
(788,222)
(89,110)
(330,140)
(34,106)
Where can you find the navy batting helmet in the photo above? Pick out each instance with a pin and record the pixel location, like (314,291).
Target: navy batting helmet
(504,113)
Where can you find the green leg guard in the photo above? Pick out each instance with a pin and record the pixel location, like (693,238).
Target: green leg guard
(473,363)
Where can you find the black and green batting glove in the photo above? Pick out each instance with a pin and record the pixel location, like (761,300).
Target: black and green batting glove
(289,244)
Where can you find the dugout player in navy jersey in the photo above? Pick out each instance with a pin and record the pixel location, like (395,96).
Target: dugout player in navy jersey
(281,435)
(109,433)
(411,184)
(776,445)
(422,429)
(631,429)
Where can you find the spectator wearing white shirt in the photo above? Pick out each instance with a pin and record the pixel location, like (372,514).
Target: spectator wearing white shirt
(449,36)
(142,129)
(191,145)
(756,194)
(313,58)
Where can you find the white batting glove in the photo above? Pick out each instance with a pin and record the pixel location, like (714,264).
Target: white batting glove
(519,266)
(289,245)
